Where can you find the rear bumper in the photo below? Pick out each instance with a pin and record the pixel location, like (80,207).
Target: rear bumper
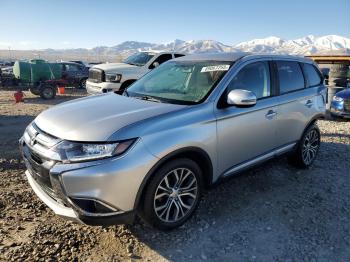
(99,88)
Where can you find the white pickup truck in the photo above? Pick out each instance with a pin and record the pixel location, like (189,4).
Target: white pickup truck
(104,78)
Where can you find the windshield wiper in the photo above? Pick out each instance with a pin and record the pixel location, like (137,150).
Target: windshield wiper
(135,64)
(149,98)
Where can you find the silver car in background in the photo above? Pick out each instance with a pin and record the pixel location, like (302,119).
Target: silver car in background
(182,127)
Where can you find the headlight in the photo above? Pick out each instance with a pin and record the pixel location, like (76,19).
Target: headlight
(113,78)
(338,99)
(78,152)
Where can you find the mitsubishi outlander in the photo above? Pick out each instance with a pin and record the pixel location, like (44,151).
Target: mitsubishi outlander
(185,125)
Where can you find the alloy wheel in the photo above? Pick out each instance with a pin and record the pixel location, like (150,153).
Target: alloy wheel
(310,146)
(175,195)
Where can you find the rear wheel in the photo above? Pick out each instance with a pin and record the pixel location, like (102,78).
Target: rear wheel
(47,92)
(307,149)
(173,194)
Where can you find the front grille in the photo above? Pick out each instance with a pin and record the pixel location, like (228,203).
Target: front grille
(96,75)
(347,105)
(36,165)
(35,147)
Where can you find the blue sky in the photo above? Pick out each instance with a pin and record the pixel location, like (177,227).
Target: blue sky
(37,24)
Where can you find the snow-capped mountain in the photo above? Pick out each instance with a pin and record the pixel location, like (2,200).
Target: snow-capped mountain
(330,44)
(302,46)
(264,45)
(200,46)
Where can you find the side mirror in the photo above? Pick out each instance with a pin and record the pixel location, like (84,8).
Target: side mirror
(155,64)
(240,97)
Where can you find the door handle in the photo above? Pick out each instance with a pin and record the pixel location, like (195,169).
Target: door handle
(309,103)
(270,114)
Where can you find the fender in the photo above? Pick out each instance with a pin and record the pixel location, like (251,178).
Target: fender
(208,172)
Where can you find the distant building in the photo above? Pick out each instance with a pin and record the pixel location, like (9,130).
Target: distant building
(330,59)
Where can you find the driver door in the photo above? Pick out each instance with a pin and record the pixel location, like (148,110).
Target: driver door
(246,133)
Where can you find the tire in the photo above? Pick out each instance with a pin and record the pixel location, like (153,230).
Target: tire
(307,148)
(34,91)
(47,92)
(339,75)
(164,207)
(82,84)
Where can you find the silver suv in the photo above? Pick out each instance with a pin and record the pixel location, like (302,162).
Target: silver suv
(173,133)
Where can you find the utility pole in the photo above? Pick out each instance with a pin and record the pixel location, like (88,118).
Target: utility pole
(10,54)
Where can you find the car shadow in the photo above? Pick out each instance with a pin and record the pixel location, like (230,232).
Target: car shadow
(266,213)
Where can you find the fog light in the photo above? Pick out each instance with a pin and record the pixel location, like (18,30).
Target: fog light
(93,206)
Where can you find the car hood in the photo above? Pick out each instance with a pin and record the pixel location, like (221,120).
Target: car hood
(344,93)
(96,118)
(115,67)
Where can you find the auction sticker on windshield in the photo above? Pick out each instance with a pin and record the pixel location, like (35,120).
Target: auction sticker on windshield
(215,68)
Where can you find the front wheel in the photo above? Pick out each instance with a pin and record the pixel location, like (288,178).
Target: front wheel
(35,90)
(308,148)
(173,194)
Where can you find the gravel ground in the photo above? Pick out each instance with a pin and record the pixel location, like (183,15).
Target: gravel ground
(274,212)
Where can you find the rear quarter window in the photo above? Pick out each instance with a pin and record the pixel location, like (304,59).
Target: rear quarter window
(313,78)
(290,76)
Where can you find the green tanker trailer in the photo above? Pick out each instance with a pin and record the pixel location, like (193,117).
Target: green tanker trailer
(37,74)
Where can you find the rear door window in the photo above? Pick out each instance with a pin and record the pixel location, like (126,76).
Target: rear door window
(290,76)
(312,76)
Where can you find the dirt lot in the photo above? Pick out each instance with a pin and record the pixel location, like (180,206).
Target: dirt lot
(274,212)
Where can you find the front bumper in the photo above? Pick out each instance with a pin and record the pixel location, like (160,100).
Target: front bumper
(339,113)
(339,109)
(59,209)
(112,184)
(103,87)
(72,214)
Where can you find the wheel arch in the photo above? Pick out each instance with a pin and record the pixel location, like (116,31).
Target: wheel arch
(312,122)
(196,154)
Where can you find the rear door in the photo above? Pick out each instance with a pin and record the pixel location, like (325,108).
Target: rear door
(296,101)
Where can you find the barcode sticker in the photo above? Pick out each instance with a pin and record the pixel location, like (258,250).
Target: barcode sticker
(215,68)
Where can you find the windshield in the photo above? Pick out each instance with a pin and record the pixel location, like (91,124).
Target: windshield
(138,59)
(180,82)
